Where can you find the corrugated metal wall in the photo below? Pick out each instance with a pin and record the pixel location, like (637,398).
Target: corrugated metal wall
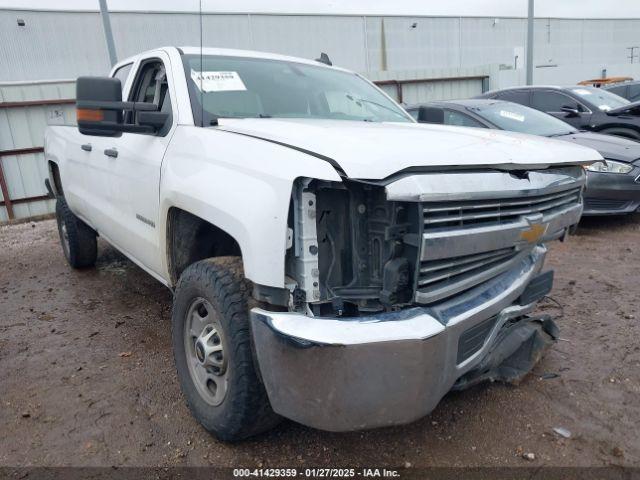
(25,111)
(417,59)
(419,86)
(67,44)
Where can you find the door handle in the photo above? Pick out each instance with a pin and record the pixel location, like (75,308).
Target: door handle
(111,152)
(86,147)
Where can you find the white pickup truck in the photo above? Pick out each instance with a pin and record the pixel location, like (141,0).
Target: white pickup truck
(332,261)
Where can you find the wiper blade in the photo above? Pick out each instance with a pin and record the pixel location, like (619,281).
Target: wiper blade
(371,102)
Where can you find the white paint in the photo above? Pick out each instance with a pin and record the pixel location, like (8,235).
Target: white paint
(377,150)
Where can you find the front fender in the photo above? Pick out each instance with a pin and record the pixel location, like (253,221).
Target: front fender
(243,186)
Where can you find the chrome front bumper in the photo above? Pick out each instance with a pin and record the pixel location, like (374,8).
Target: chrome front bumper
(342,374)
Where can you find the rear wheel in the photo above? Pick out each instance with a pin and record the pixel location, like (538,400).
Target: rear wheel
(212,349)
(78,240)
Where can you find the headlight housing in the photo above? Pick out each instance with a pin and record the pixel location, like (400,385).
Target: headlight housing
(610,166)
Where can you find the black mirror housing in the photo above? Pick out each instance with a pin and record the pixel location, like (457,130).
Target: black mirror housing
(156,120)
(571,111)
(105,92)
(100,109)
(431,115)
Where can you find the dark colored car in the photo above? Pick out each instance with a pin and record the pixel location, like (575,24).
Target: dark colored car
(613,186)
(586,108)
(628,90)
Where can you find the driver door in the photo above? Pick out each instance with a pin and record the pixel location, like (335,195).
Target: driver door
(134,162)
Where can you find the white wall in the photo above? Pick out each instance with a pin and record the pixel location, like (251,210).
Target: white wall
(56,44)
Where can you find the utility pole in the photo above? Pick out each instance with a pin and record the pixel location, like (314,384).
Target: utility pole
(108,34)
(530,44)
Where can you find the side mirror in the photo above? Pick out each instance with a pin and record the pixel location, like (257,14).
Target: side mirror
(93,94)
(570,111)
(431,115)
(100,109)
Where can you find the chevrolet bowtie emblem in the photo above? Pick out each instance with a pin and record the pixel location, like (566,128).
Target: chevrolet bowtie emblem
(534,233)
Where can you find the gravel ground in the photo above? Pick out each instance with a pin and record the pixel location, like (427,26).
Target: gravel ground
(87,375)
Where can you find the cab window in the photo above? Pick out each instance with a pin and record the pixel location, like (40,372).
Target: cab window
(151,86)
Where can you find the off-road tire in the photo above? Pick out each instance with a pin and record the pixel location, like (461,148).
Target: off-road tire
(78,240)
(245,410)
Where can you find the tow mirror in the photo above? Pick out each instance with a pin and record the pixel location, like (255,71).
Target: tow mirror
(100,109)
(93,95)
(570,111)
(431,115)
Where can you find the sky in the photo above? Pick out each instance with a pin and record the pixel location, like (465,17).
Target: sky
(483,8)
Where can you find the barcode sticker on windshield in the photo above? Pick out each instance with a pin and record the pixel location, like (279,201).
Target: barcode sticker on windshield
(512,115)
(218,81)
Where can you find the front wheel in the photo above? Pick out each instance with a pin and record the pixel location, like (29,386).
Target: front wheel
(212,349)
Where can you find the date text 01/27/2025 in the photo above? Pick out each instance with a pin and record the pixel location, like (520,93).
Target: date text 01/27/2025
(316,472)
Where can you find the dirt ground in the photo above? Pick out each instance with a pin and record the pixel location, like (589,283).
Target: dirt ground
(87,375)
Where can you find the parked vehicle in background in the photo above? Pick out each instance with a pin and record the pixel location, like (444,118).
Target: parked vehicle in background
(628,90)
(332,261)
(613,185)
(601,82)
(586,108)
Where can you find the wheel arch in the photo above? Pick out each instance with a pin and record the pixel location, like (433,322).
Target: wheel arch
(54,178)
(190,238)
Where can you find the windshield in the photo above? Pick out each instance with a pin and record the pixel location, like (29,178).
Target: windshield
(239,87)
(518,118)
(601,99)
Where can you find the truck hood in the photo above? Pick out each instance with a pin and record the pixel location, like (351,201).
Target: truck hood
(609,146)
(368,150)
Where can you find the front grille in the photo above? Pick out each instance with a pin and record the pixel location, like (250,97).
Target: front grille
(437,274)
(470,213)
(605,204)
(468,242)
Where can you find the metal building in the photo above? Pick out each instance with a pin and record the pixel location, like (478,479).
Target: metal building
(415,50)
(52,44)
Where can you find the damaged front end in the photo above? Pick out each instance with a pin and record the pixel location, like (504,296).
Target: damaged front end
(355,256)
(407,288)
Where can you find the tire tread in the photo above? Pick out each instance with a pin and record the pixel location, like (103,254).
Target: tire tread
(249,411)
